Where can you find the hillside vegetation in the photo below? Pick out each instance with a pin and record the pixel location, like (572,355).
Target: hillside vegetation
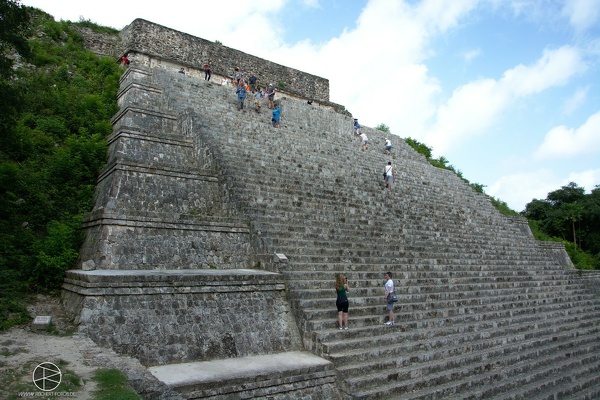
(56,102)
(53,146)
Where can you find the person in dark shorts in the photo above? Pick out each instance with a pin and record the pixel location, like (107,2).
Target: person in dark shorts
(342,289)
(389,305)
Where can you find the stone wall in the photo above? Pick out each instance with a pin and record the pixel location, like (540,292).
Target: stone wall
(165,317)
(102,44)
(155,41)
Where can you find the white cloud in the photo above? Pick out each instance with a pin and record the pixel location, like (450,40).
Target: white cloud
(311,3)
(442,15)
(582,14)
(469,56)
(586,179)
(576,100)
(476,106)
(563,141)
(469,111)
(554,68)
(521,188)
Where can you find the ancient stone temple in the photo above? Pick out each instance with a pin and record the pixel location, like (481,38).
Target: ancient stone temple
(212,249)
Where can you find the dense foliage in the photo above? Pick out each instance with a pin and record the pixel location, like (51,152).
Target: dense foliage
(573,217)
(50,154)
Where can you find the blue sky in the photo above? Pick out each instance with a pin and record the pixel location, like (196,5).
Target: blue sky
(507,90)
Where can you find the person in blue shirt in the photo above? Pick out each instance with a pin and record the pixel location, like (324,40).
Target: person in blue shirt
(276,116)
(356,127)
(241,94)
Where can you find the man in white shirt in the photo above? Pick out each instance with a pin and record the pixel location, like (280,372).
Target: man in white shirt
(389,288)
(389,175)
(388,147)
(365,141)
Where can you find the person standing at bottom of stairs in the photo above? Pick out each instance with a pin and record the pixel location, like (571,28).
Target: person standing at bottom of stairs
(389,288)
(342,289)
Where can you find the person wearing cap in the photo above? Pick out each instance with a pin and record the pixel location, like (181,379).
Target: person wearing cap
(356,127)
(388,147)
(271,95)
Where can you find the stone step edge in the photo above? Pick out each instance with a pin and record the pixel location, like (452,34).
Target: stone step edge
(478,373)
(242,370)
(108,219)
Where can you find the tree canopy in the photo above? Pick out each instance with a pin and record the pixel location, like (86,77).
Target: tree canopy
(569,214)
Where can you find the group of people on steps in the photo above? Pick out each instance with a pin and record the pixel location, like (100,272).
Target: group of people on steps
(259,94)
(388,170)
(342,288)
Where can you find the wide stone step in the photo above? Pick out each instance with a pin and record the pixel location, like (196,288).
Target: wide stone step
(351,346)
(249,377)
(565,380)
(454,374)
(467,290)
(301,279)
(368,306)
(410,361)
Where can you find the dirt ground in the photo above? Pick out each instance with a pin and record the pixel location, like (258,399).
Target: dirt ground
(77,357)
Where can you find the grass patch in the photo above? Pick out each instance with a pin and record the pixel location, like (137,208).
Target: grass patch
(113,385)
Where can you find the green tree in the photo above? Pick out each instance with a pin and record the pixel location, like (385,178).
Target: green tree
(571,216)
(573,213)
(14,26)
(383,128)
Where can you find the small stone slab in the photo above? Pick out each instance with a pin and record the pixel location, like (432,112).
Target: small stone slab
(280,258)
(41,322)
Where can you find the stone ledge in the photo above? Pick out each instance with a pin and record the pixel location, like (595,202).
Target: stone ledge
(133,133)
(164,218)
(246,374)
(154,113)
(138,222)
(134,72)
(141,86)
(142,282)
(171,274)
(153,170)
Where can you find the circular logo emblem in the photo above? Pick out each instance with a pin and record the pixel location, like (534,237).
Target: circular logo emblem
(47,376)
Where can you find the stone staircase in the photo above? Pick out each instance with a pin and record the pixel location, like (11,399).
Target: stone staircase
(484,310)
